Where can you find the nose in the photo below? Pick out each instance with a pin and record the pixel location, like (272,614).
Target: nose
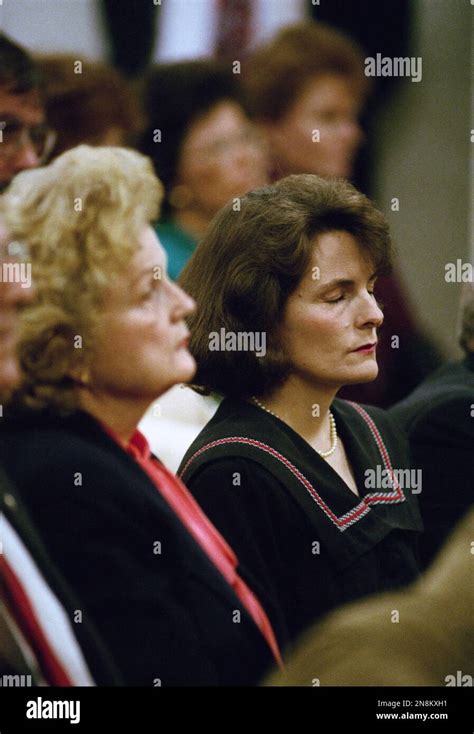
(370,314)
(184,304)
(245,152)
(26,157)
(351,132)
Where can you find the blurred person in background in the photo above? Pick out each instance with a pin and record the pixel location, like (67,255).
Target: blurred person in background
(88,102)
(306,90)
(439,419)
(104,337)
(25,137)
(204,149)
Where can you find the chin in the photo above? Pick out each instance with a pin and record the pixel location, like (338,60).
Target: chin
(185,369)
(366,375)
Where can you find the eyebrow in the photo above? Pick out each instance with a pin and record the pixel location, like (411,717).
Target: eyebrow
(343,282)
(148,271)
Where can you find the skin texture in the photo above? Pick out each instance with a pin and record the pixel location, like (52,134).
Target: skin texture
(220,159)
(324,321)
(328,104)
(27,109)
(141,348)
(12,297)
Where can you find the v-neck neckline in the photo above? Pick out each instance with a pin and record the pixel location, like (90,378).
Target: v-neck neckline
(354,457)
(241,429)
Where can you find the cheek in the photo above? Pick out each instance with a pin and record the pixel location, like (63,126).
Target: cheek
(138,329)
(321,333)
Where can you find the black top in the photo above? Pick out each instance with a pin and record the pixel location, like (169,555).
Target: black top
(308,541)
(162,608)
(439,419)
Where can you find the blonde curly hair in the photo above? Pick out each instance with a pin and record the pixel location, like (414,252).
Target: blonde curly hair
(81,217)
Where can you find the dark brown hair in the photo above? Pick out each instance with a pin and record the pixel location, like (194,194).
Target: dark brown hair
(276,74)
(82,107)
(176,95)
(252,258)
(18,72)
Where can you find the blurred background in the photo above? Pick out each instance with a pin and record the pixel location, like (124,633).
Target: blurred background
(418,134)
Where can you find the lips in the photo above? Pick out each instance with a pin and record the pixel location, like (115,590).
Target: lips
(366,347)
(184,342)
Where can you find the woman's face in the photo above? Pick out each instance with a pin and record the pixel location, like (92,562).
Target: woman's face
(332,314)
(141,348)
(329,105)
(221,158)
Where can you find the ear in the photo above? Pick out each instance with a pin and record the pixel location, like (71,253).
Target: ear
(80,375)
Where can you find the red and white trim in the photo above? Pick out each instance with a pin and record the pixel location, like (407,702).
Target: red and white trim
(349,518)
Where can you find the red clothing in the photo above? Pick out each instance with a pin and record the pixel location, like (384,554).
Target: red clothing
(201,528)
(26,618)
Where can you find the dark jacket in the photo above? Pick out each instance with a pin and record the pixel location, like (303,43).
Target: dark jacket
(92,647)
(439,419)
(164,611)
(309,543)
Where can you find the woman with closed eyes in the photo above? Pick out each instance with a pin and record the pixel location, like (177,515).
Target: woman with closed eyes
(300,482)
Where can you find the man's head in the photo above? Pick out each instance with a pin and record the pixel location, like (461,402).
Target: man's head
(24,136)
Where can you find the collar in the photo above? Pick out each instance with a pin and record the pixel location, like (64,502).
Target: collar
(138,447)
(242,430)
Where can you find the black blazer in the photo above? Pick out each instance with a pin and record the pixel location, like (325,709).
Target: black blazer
(438,417)
(164,611)
(93,649)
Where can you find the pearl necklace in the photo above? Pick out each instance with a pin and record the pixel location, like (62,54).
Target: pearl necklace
(332,430)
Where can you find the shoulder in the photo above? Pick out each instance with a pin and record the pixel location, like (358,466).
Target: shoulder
(232,472)
(375,422)
(45,441)
(449,387)
(446,392)
(70,462)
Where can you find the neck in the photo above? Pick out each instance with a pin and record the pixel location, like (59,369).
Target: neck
(305,408)
(194,222)
(122,415)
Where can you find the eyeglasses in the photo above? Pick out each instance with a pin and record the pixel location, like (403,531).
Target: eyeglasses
(14,134)
(223,147)
(14,250)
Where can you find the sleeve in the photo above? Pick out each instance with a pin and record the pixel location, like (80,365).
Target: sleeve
(247,505)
